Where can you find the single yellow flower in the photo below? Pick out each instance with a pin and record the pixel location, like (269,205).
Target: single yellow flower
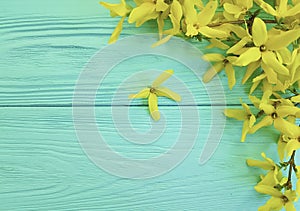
(237,8)
(265,44)
(220,62)
(283,9)
(275,113)
(154,91)
(197,22)
(242,115)
(278,199)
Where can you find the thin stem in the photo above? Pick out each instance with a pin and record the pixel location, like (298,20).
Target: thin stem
(238,22)
(291,163)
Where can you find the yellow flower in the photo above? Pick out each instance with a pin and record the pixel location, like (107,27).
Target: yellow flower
(154,91)
(275,112)
(220,62)
(122,10)
(274,176)
(278,199)
(242,115)
(292,142)
(160,10)
(237,9)
(283,9)
(267,164)
(175,16)
(174,12)
(197,22)
(265,43)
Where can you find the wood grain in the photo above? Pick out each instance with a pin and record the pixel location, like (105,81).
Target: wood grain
(42,167)
(45,46)
(43,57)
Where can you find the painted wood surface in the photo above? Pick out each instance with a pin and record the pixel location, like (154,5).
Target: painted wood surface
(44,47)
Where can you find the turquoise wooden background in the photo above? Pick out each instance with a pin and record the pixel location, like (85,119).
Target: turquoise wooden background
(44,47)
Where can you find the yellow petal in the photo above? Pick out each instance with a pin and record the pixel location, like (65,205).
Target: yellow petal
(266,7)
(175,16)
(269,58)
(259,78)
(218,44)
(286,110)
(265,189)
(254,86)
(270,179)
(259,32)
(254,100)
(238,114)
(289,206)
(266,121)
(286,127)
(283,39)
(250,70)
(153,108)
(191,30)
(215,57)
(291,195)
(232,9)
(260,164)
(291,146)
(245,130)
(211,72)
(162,78)
(239,45)
(139,13)
(161,5)
(212,33)
(292,11)
(270,73)
(281,144)
(285,55)
(251,55)
(296,99)
(236,29)
(272,204)
(208,12)
(282,7)
(189,11)
(267,108)
(230,75)
(252,121)
(116,9)
(142,94)
(116,33)
(162,41)
(165,92)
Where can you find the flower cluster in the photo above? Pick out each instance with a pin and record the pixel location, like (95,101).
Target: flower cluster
(258,37)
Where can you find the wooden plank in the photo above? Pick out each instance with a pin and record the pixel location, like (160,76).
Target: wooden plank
(42,58)
(43,167)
